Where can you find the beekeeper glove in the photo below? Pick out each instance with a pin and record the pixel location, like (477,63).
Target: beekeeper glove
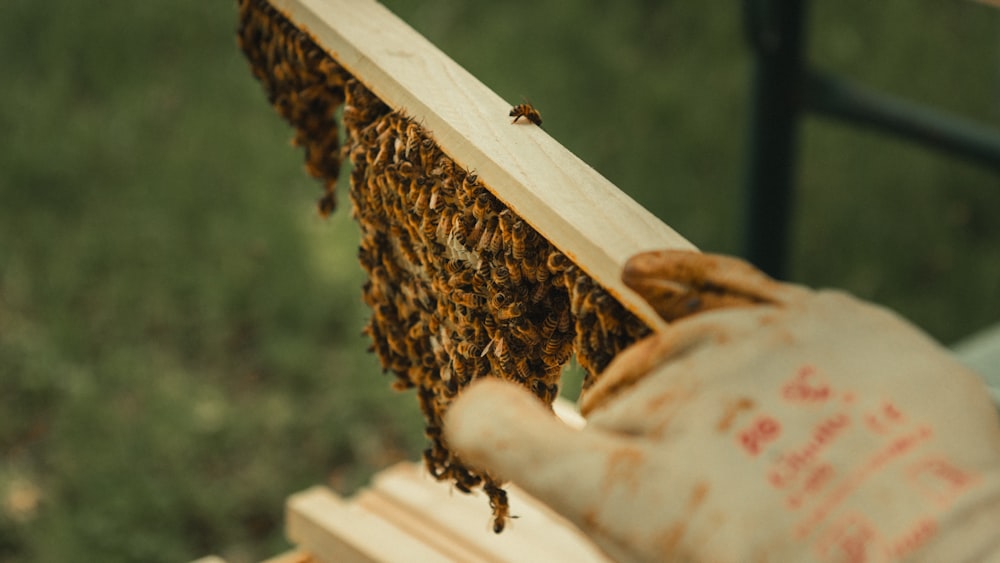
(770,422)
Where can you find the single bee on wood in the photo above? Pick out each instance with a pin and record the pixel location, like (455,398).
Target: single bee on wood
(528,112)
(500,505)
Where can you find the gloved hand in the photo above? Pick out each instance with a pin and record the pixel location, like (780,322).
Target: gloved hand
(801,426)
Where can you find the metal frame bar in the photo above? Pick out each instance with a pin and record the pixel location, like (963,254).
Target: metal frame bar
(833,97)
(784,89)
(774,28)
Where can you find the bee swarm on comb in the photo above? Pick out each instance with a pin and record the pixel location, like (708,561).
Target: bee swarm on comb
(459,286)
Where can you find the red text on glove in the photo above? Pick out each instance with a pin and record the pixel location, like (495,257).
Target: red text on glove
(762,430)
(938,480)
(798,460)
(850,540)
(807,386)
(884,418)
(913,538)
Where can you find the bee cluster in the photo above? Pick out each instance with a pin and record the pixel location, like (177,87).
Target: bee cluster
(460,287)
(303,84)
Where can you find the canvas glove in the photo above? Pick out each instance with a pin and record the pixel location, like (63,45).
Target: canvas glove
(769,423)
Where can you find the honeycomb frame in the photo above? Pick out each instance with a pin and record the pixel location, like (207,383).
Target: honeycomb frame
(460,287)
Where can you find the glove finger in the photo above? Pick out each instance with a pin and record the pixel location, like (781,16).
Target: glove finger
(500,428)
(678,283)
(633,364)
(696,352)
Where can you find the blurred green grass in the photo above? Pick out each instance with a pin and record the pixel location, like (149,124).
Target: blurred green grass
(180,339)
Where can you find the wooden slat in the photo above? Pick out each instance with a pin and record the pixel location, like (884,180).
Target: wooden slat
(321,523)
(404,507)
(293,556)
(568,413)
(575,208)
(538,534)
(417,524)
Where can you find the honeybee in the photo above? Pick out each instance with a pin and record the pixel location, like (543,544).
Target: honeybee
(463,476)
(539,293)
(518,236)
(406,169)
(500,275)
(542,274)
(565,318)
(444,224)
(557,262)
(429,362)
(514,269)
(428,228)
(523,369)
(499,300)
(608,322)
(489,230)
(282,72)
(459,369)
(469,300)
(499,504)
(477,232)
(511,311)
(462,278)
(443,167)
(445,373)
(417,331)
(453,268)
(526,111)
(468,349)
(526,333)
(460,226)
(431,462)
(381,158)
(501,350)
(481,206)
(412,137)
(427,147)
(496,243)
(433,203)
(327,204)
(552,346)
(470,181)
(550,325)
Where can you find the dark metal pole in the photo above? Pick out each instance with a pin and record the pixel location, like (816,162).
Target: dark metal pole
(833,97)
(775,31)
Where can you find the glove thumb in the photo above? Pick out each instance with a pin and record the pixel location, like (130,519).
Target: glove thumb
(501,428)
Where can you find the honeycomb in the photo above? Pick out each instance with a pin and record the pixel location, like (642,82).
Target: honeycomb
(459,286)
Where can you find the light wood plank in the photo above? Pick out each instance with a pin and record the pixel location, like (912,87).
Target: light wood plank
(418,525)
(579,211)
(321,523)
(404,506)
(568,412)
(403,501)
(293,556)
(538,534)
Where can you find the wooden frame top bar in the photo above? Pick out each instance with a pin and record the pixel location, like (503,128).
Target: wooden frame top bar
(579,211)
